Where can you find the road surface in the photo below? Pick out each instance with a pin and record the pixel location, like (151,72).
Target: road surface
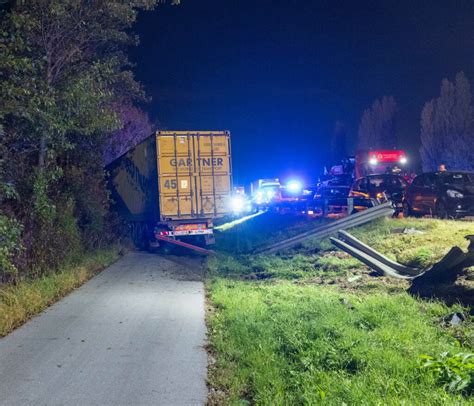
(133,335)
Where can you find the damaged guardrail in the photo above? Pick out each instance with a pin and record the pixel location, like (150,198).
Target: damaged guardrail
(447,268)
(354,243)
(354,220)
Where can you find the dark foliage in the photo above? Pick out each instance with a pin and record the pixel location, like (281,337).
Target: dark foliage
(64,84)
(447,132)
(377,128)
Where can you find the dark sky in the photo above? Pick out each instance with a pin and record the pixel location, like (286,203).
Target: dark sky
(278,74)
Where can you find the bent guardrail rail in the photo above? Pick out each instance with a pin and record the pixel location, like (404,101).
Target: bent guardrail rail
(368,260)
(354,220)
(401,269)
(447,268)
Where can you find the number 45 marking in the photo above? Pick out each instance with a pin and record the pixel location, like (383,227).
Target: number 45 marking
(171,184)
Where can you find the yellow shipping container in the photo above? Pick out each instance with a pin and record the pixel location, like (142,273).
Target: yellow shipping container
(176,181)
(194,172)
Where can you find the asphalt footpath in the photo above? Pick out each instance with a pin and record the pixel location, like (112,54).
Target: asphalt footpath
(133,335)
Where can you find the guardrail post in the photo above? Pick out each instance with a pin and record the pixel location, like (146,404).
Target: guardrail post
(350,205)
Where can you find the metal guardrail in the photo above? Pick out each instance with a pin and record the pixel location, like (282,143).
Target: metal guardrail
(354,220)
(368,260)
(448,267)
(359,245)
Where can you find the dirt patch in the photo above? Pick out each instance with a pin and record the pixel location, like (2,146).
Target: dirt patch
(363,280)
(185,268)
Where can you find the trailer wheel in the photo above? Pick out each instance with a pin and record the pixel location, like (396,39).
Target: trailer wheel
(164,248)
(135,234)
(140,235)
(145,245)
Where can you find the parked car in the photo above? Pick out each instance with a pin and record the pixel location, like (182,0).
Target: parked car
(442,194)
(331,197)
(378,187)
(296,201)
(332,194)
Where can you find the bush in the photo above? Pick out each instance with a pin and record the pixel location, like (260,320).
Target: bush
(454,372)
(55,240)
(10,247)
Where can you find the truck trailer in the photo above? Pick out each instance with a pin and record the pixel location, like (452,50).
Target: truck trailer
(172,186)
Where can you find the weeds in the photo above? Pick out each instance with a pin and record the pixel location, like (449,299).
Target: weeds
(455,372)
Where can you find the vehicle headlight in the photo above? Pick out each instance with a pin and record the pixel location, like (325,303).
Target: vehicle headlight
(403,160)
(373,161)
(454,194)
(238,204)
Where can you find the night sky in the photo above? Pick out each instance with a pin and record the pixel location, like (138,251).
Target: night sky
(278,74)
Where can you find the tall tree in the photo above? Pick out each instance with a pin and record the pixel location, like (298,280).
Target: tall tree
(65,56)
(377,128)
(447,132)
(338,142)
(63,72)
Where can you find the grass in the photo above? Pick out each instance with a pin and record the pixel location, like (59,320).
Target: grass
(287,344)
(261,230)
(20,302)
(312,326)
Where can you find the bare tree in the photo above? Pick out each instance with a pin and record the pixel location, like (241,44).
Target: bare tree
(377,128)
(447,134)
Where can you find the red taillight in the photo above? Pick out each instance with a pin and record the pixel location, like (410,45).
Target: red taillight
(164,233)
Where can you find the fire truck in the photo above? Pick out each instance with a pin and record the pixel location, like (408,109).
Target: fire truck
(379,161)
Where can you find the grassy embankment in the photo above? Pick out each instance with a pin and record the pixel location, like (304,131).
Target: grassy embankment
(20,302)
(314,326)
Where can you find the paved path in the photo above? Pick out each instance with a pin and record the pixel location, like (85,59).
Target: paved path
(133,335)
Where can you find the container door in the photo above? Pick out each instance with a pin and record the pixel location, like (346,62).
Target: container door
(213,184)
(175,175)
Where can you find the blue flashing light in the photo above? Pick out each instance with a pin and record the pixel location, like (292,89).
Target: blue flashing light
(294,186)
